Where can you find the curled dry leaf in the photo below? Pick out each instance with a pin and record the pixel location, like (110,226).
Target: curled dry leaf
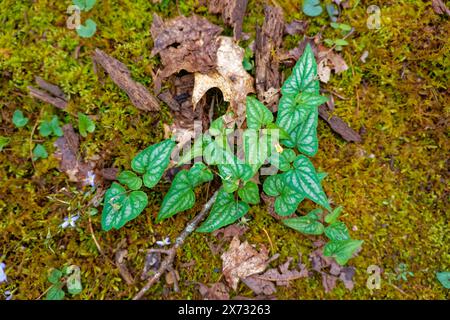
(217,291)
(185,44)
(241,261)
(232,12)
(329,60)
(230,77)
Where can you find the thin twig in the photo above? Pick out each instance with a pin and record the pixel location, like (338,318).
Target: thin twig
(167,263)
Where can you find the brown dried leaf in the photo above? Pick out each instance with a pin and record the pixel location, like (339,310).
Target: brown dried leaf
(217,291)
(260,286)
(282,275)
(152,263)
(232,12)
(121,265)
(185,44)
(296,27)
(230,232)
(230,77)
(120,75)
(329,60)
(241,261)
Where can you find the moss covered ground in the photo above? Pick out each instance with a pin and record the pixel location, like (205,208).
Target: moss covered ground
(393,186)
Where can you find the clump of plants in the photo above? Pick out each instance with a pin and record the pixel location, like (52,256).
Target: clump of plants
(277,148)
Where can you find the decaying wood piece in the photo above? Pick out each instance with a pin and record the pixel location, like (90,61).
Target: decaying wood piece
(232,11)
(268,42)
(339,126)
(185,43)
(50,93)
(120,75)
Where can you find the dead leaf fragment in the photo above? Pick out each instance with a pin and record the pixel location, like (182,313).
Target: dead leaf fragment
(232,11)
(260,286)
(439,7)
(217,291)
(230,77)
(241,261)
(185,43)
(121,265)
(50,93)
(296,27)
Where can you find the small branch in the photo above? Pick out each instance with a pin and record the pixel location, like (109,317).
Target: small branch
(167,263)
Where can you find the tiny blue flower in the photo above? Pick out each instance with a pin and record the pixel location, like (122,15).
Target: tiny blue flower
(2,272)
(164,242)
(90,179)
(69,221)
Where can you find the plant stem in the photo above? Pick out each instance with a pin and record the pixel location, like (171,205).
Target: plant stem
(167,263)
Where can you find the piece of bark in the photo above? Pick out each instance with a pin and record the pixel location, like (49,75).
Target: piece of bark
(268,41)
(217,291)
(167,97)
(48,98)
(296,27)
(232,11)
(51,88)
(185,43)
(120,75)
(121,265)
(339,126)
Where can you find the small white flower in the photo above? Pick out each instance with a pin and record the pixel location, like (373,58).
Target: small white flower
(2,272)
(355,228)
(69,221)
(90,179)
(164,242)
(8,295)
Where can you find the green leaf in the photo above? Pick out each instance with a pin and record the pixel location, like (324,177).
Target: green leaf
(181,196)
(305,225)
(18,119)
(312,8)
(257,114)
(196,150)
(337,231)
(39,152)
(303,179)
(225,211)
(257,147)
(153,161)
(85,5)
(130,179)
(85,124)
(249,193)
(73,281)
(55,293)
(340,42)
(287,200)
(4,141)
(120,207)
(290,115)
(55,276)
(342,251)
(333,216)
(283,160)
(303,77)
(333,11)
(198,174)
(51,127)
(234,172)
(88,30)
(306,135)
(274,129)
(444,279)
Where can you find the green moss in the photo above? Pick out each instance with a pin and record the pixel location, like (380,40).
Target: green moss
(392,186)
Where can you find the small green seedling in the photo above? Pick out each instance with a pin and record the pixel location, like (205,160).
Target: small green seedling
(69,278)
(19,119)
(312,8)
(85,124)
(4,141)
(48,128)
(39,152)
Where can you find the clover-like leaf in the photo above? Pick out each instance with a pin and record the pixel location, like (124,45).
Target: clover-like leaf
(39,152)
(51,127)
(54,276)
(304,75)
(303,179)
(73,281)
(342,251)
(444,278)
(226,210)
(287,200)
(87,30)
(153,161)
(257,114)
(337,231)
(307,224)
(334,215)
(130,179)
(198,174)
(283,160)
(312,8)
(55,292)
(120,207)
(84,5)
(234,172)
(249,193)
(85,124)
(19,119)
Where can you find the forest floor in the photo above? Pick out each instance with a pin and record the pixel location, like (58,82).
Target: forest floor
(393,185)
